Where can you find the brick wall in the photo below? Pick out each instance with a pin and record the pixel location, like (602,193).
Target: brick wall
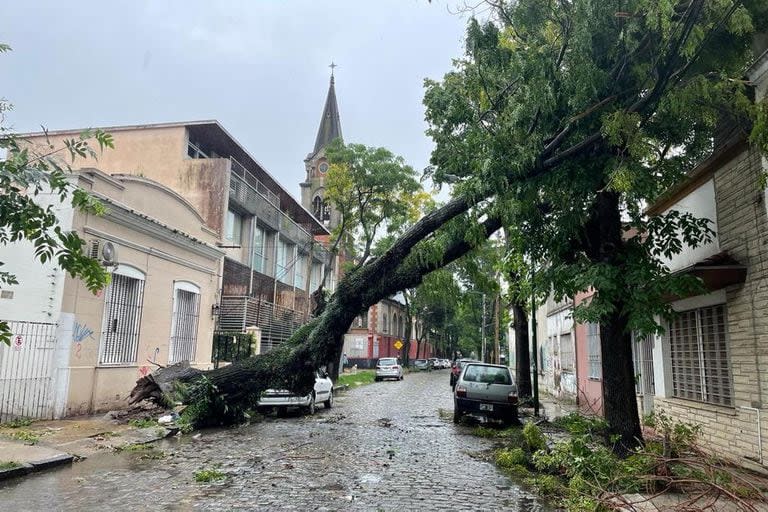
(743,232)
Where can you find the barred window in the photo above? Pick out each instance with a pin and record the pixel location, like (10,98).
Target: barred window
(123,301)
(567,359)
(593,351)
(699,356)
(186,313)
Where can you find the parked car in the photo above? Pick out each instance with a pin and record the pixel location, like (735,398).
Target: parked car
(456,368)
(487,390)
(446,363)
(388,368)
(422,365)
(282,399)
(435,362)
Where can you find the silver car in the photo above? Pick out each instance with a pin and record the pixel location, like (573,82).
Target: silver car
(388,368)
(282,399)
(485,390)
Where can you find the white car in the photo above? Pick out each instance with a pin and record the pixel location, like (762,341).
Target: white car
(388,368)
(282,399)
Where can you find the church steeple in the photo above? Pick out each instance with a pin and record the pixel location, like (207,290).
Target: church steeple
(330,123)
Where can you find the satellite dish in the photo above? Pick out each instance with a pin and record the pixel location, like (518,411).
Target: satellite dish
(108,254)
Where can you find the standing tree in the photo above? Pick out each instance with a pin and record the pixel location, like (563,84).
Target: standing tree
(580,113)
(562,116)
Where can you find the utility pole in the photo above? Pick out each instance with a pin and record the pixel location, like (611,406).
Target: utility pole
(482,333)
(535,355)
(496,355)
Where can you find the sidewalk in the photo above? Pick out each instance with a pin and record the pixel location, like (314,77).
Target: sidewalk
(47,444)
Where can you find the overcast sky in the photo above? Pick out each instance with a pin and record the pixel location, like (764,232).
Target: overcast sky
(259,67)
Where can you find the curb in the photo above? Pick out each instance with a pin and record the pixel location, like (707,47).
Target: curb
(38,465)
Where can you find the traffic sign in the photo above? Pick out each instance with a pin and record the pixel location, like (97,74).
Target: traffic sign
(398,344)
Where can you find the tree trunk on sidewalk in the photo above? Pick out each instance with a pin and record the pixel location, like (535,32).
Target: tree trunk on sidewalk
(522,352)
(619,404)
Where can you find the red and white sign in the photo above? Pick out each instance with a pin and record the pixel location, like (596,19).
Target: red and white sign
(18,341)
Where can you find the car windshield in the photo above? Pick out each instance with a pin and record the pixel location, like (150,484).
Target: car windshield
(390,361)
(421,361)
(487,375)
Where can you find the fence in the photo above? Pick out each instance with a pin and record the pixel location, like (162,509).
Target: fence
(26,371)
(277,323)
(231,347)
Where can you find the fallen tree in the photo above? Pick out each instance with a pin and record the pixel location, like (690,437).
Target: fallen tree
(562,116)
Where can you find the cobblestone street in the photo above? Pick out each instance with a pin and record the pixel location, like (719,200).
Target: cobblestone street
(382,447)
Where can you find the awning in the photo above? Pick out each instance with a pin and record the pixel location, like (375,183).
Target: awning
(716,272)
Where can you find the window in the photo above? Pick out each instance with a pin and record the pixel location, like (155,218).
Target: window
(285,262)
(394,324)
(257,258)
(323,167)
(593,351)
(362,320)
(316,276)
(699,356)
(194,151)
(123,301)
(567,358)
(317,207)
(300,272)
(186,312)
(233,227)
(386,322)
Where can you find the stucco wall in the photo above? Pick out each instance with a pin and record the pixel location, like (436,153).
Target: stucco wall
(160,153)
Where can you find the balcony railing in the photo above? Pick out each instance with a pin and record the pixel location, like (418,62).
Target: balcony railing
(240,170)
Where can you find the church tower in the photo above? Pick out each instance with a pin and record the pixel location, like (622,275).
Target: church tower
(316,165)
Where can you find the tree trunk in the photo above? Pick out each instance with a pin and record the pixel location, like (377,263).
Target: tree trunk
(522,352)
(226,394)
(619,401)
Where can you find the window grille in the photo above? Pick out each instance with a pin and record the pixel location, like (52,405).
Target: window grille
(593,351)
(699,356)
(122,319)
(567,358)
(642,356)
(186,313)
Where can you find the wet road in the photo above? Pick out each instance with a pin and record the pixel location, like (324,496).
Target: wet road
(381,447)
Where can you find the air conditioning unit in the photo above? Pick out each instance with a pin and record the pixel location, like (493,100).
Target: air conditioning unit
(104,252)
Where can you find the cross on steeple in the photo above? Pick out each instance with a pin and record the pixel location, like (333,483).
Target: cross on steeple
(333,65)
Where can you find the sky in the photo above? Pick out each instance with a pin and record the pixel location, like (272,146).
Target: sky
(259,67)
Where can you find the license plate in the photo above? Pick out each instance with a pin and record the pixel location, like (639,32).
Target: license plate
(486,407)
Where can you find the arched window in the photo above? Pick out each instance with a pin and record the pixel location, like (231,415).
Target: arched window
(123,303)
(317,207)
(385,319)
(394,324)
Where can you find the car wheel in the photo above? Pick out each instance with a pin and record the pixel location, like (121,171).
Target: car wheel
(311,406)
(281,411)
(377,379)
(402,377)
(456,415)
(329,403)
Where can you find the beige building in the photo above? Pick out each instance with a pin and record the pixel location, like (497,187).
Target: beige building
(75,352)
(274,249)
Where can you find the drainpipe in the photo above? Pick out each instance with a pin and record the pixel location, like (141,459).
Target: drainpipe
(759,431)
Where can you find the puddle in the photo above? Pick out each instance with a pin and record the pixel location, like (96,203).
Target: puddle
(370,479)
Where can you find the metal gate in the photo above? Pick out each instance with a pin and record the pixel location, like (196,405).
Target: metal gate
(26,371)
(642,353)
